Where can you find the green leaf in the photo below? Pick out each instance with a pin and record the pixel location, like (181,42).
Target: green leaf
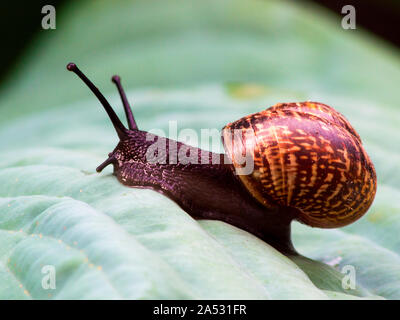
(203,68)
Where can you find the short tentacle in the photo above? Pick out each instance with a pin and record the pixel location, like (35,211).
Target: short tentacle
(107,162)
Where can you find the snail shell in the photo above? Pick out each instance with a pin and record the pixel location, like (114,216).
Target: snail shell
(308,157)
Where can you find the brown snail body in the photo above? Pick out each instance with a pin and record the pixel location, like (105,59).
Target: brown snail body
(308,165)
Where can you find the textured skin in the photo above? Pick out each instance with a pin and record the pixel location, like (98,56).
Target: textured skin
(306,156)
(204,190)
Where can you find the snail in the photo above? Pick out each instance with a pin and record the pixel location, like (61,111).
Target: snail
(308,164)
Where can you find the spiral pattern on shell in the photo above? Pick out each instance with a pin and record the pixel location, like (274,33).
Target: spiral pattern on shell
(308,157)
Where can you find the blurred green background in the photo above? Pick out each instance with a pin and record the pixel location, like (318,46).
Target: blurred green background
(378,17)
(306,50)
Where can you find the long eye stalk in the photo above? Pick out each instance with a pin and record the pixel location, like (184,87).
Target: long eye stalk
(128,111)
(119,127)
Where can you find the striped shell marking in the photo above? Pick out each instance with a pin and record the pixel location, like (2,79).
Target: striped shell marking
(306,156)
